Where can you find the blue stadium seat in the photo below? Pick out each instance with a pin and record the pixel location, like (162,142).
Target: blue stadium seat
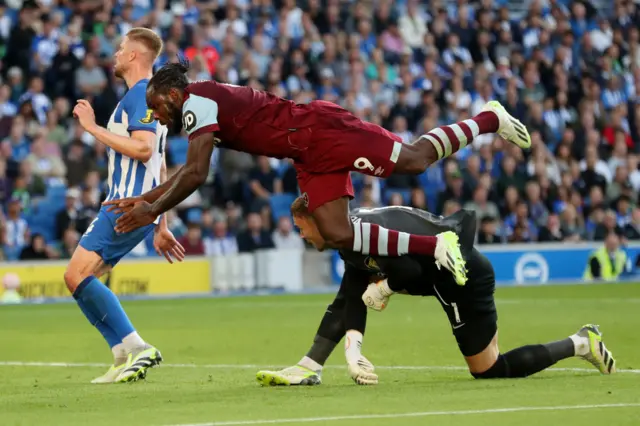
(178,148)
(194,215)
(56,192)
(281,205)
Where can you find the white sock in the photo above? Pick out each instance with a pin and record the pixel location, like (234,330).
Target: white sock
(352,346)
(119,354)
(581,344)
(133,341)
(310,364)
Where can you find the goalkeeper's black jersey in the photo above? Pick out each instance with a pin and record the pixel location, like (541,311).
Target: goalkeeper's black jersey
(418,222)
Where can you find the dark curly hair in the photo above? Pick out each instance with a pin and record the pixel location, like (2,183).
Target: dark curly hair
(171,75)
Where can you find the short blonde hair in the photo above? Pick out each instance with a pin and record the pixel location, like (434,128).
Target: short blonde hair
(148,38)
(299,207)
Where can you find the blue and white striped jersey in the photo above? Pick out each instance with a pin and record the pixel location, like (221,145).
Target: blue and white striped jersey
(129,177)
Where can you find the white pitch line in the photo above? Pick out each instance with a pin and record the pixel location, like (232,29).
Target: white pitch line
(415,414)
(264,367)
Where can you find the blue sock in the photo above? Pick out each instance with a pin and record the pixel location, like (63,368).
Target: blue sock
(104,306)
(106,331)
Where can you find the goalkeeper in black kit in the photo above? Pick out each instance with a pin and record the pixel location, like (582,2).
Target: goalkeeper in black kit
(470,308)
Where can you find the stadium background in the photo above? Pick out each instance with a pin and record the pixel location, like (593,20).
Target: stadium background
(570,70)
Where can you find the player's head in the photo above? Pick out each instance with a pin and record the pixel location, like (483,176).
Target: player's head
(138,50)
(304,221)
(165,93)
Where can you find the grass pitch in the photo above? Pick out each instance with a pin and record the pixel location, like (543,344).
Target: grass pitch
(213,348)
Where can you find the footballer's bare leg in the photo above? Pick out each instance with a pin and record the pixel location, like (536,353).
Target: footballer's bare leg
(342,233)
(527,360)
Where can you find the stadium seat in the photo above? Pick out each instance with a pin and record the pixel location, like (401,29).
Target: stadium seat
(178,149)
(56,192)
(281,205)
(194,215)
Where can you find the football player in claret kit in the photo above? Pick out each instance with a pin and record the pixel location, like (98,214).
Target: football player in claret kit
(326,143)
(470,309)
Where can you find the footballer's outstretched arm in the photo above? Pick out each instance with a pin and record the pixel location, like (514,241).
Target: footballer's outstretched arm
(193,174)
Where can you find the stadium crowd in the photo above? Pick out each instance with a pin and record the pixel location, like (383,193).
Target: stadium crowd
(568,70)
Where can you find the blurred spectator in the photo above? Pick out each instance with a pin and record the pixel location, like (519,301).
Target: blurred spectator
(552,231)
(510,177)
(412,26)
(632,229)
(88,209)
(254,237)
(263,181)
(5,182)
(70,240)
(619,183)
(90,79)
(572,224)
(454,191)
(615,131)
(21,38)
(488,231)
(192,240)
(284,237)
(233,213)
(608,225)
(618,156)
(472,172)
(537,209)
(48,167)
(16,231)
(18,140)
(37,250)
(68,218)
(608,262)
(519,221)
(77,164)
(29,183)
(419,200)
(632,168)
(175,224)
(481,205)
(222,243)
(201,51)
(55,132)
(289,180)
(594,172)
(450,207)
(623,210)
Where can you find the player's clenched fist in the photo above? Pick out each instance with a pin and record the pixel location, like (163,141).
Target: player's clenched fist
(83,111)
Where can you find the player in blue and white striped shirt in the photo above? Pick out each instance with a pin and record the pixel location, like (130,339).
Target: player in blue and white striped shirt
(135,145)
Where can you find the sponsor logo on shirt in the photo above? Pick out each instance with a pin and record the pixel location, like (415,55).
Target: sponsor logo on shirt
(148,119)
(189,121)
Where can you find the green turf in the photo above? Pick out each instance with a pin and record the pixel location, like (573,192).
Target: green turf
(268,331)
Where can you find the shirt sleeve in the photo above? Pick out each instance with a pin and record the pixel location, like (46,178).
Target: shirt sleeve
(139,115)
(199,116)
